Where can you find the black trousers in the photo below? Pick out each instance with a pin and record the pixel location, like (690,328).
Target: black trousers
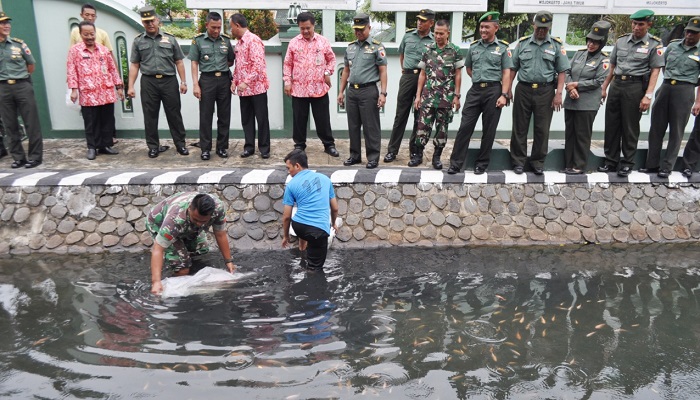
(153,92)
(622,117)
(577,137)
(317,247)
(322,117)
(99,125)
(16,100)
(531,102)
(478,101)
(691,154)
(671,109)
(363,113)
(254,108)
(408,83)
(216,90)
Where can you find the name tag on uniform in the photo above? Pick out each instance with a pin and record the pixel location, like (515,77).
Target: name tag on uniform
(643,50)
(548,51)
(496,52)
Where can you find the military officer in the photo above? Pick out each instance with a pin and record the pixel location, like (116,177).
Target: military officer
(411,50)
(541,62)
(212,55)
(589,67)
(3,150)
(674,99)
(489,66)
(158,56)
(17,97)
(635,62)
(365,65)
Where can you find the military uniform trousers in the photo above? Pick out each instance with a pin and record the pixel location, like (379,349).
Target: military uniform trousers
(216,90)
(691,154)
(479,100)
(577,137)
(404,105)
(15,98)
(254,108)
(671,109)
(429,115)
(622,117)
(99,125)
(363,118)
(181,252)
(155,90)
(322,117)
(531,102)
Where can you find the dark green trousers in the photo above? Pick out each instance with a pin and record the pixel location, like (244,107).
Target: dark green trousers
(153,92)
(404,104)
(671,109)
(622,117)
(18,100)
(577,137)
(363,119)
(216,90)
(691,154)
(530,103)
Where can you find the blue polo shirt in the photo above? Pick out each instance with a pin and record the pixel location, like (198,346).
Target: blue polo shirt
(311,192)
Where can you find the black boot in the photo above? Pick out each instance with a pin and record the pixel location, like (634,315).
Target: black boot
(416,159)
(3,150)
(436,158)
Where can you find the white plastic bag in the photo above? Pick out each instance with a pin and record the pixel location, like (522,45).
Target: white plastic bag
(73,106)
(205,280)
(338,223)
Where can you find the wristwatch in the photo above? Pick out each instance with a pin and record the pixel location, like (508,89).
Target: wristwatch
(505,95)
(383,93)
(648,96)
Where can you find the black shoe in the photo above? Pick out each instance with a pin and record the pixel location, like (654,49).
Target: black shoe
(163,149)
(389,157)
(247,154)
(3,151)
(664,173)
(416,160)
(265,155)
(687,172)
(372,164)
(573,171)
(351,161)
(91,154)
(222,153)
(452,170)
(153,153)
(479,170)
(606,168)
(624,171)
(332,151)
(32,164)
(183,151)
(518,169)
(205,156)
(437,164)
(18,164)
(649,170)
(537,170)
(107,150)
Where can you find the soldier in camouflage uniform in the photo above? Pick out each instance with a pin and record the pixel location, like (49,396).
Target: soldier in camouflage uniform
(436,97)
(179,227)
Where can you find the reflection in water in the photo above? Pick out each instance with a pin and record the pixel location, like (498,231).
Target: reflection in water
(564,322)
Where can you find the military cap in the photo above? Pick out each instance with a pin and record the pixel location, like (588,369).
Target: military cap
(148,13)
(4,17)
(543,19)
(599,31)
(491,16)
(360,20)
(426,14)
(693,24)
(642,15)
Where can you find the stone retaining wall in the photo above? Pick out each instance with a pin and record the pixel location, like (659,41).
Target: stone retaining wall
(78,219)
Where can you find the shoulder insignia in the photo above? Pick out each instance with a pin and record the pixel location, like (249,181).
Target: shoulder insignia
(375,41)
(626,34)
(18,40)
(584,49)
(503,41)
(658,39)
(557,39)
(410,30)
(676,40)
(473,42)
(226,36)
(201,34)
(525,37)
(605,54)
(140,34)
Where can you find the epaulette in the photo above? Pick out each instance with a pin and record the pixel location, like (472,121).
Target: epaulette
(557,39)
(605,53)
(166,33)
(473,42)
(18,40)
(140,34)
(226,36)
(524,37)
(626,34)
(676,40)
(201,34)
(503,41)
(658,39)
(410,30)
(375,41)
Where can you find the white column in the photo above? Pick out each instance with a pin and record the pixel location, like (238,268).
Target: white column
(560,24)
(400,25)
(329,25)
(456,28)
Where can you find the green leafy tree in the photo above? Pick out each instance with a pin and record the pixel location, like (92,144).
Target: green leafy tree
(168,7)
(261,23)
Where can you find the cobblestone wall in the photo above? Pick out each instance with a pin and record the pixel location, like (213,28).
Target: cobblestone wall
(111,218)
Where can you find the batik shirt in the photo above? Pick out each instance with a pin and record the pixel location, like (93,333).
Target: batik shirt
(440,66)
(306,64)
(93,73)
(251,67)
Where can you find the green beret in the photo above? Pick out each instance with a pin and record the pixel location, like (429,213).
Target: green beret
(642,15)
(491,16)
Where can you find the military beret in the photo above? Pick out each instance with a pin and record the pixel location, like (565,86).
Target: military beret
(642,15)
(491,16)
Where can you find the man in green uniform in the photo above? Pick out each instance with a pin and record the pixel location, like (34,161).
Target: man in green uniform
(436,98)
(179,227)
(635,62)
(212,55)
(674,99)
(3,150)
(541,63)
(17,97)
(489,66)
(158,55)
(411,49)
(365,65)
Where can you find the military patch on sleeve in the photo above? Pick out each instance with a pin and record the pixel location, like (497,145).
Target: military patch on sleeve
(26,49)
(606,64)
(510,54)
(382,52)
(660,51)
(194,41)
(563,50)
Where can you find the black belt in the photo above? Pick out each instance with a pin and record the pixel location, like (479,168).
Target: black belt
(536,85)
(160,76)
(411,71)
(629,78)
(215,73)
(13,81)
(675,82)
(362,85)
(486,84)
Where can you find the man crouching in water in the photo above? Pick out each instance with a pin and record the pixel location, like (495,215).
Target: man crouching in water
(179,227)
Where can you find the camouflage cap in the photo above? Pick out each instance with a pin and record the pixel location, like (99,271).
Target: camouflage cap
(543,19)
(148,13)
(693,24)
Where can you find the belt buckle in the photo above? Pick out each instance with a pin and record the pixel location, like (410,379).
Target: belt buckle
(483,84)
(356,86)
(415,71)
(217,74)
(673,81)
(535,85)
(623,77)
(11,81)
(159,76)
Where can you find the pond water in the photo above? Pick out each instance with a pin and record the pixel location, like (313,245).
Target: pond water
(588,322)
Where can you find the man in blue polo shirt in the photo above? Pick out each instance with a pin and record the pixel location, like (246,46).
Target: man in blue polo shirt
(316,208)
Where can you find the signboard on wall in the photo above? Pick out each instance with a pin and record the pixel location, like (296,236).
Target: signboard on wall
(272,4)
(623,7)
(441,6)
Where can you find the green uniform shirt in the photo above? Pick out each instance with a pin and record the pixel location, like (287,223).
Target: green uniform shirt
(440,67)
(488,60)
(590,74)
(682,62)
(213,55)
(156,55)
(363,58)
(539,63)
(413,46)
(14,58)
(637,57)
